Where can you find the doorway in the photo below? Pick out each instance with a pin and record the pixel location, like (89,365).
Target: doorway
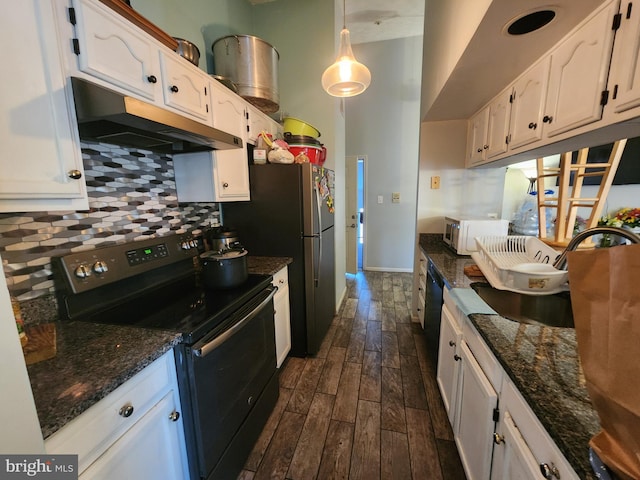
(354,213)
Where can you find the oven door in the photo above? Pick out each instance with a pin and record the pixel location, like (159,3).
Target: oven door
(227,371)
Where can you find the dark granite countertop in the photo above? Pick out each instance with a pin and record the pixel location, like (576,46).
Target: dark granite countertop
(92,360)
(542,362)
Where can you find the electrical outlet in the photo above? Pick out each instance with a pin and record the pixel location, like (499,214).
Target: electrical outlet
(395,197)
(435,183)
(380,199)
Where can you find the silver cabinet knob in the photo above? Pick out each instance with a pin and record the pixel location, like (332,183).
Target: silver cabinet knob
(126,410)
(549,471)
(74,174)
(174,416)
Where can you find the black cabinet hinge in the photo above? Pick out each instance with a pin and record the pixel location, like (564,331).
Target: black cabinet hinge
(76,46)
(604,97)
(617,18)
(629,6)
(615,92)
(507,139)
(511,98)
(496,414)
(72,15)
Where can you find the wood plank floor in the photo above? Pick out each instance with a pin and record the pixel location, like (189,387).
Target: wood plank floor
(367,405)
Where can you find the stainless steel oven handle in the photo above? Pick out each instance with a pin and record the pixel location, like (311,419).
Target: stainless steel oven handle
(219,340)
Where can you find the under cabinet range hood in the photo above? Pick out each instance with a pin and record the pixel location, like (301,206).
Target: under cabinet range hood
(111,117)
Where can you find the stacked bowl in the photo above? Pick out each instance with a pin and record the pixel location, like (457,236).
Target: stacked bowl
(303,139)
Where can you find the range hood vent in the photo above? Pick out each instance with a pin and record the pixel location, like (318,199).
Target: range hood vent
(111,117)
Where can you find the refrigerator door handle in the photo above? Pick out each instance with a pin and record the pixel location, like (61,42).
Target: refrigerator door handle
(319,211)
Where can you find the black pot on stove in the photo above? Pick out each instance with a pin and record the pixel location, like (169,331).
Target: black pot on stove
(224,269)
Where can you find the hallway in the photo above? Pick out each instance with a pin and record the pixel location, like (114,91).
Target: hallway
(367,405)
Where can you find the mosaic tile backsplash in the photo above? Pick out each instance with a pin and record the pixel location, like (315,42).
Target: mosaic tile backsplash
(132,195)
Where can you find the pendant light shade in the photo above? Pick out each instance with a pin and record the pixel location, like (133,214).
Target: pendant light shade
(346,77)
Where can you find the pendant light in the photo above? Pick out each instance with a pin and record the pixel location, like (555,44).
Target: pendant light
(346,77)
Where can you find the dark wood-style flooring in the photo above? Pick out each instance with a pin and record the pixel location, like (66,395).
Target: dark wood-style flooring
(367,405)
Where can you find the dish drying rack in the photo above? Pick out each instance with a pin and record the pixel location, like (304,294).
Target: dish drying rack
(496,255)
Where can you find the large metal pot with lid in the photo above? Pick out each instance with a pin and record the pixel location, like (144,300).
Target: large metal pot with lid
(222,270)
(220,239)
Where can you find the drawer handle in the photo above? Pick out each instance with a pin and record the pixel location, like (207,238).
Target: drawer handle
(174,416)
(126,410)
(549,472)
(457,358)
(174,88)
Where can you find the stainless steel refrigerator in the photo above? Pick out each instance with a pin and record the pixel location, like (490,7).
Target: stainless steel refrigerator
(291,215)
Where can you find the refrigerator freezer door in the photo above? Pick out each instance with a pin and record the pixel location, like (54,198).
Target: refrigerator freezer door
(319,286)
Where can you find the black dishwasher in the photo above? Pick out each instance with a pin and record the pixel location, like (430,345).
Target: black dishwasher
(433,310)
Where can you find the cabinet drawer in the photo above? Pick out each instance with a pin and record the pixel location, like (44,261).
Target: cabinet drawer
(92,432)
(482,354)
(540,444)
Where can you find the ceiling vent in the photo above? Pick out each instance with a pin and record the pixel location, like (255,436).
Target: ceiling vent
(530,22)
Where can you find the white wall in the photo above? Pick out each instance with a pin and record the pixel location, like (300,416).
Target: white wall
(462,191)
(383,123)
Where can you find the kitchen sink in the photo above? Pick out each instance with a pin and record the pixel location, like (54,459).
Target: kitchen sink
(546,310)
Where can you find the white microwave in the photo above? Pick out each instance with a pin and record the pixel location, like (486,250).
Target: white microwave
(460,232)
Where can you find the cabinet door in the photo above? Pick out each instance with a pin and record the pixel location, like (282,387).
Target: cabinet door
(498,125)
(114,51)
(512,457)
(185,89)
(152,448)
(228,110)
(257,122)
(624,76)
(475,425)
(477,138)
(529,94)
(40,160)
(282,316)
(449,362)
(578,74)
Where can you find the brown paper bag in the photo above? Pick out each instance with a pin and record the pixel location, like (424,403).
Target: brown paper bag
(605,297)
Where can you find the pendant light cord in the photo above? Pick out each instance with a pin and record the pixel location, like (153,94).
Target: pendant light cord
(344,14)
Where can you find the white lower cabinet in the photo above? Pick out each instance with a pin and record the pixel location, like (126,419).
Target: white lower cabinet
(282,315)
(523,448)
(475,422)
(134,432)
(497,434)
(448,375)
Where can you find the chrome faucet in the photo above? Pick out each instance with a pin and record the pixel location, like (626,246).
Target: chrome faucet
(561,262)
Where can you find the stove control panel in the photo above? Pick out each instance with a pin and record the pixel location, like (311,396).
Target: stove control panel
(91,269)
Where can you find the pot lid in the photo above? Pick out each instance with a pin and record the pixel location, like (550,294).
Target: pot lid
(224,255)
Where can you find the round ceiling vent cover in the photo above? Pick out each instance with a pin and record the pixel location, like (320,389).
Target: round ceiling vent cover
(531,22)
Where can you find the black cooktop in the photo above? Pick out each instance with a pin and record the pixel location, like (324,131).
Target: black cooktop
(183,306)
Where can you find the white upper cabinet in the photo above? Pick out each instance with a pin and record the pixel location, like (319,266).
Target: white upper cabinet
(477,137)
(184,88)
(527,107)
(578,74)
(498,125)
(228,110)
(114,51)
(40,161)
(624,77)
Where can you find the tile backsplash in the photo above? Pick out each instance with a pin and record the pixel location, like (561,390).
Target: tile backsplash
(132,195)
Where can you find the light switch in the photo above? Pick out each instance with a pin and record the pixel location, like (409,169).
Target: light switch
(435,183)
(380,199)
(395,197)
